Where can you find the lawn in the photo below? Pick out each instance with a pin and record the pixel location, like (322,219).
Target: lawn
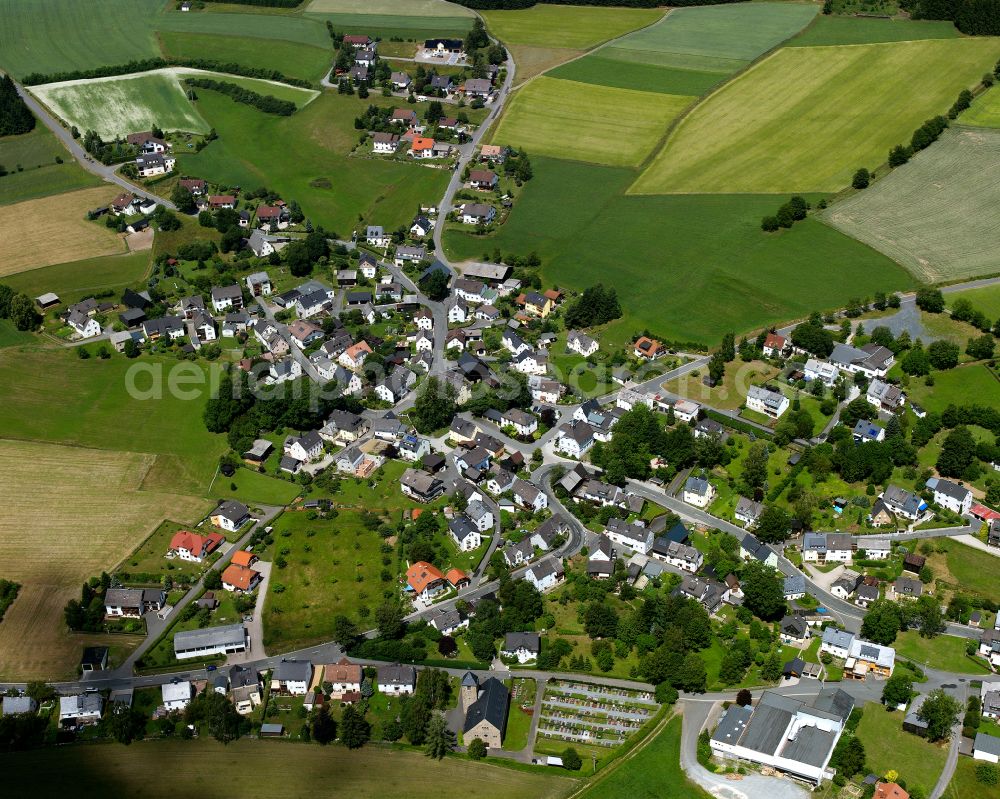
(334,566)
(118,105)
(731,393)
(147,563)
(57,35)
(568,119)
(518,719)
(40,147)
(94,513)
(643,774)
(973,570)
(252,486)
(793,132)
(830,30)
(51,395)
(933,215)
(290,58)
(10,336)
(59,230)
(252,150)
(703,246)
(964,783)
(194,768)
(985,299)
(577,27)
(942,652)
(76,280)
(985,111)
(53,178)
(955,387)
(888,747)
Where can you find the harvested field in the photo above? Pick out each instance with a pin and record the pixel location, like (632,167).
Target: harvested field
(810,116)
(416,8)
(935,215)
(532,61)
(566,119)
(56,231)
(93,515)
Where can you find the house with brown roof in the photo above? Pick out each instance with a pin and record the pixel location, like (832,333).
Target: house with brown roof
(425,580)
(775,346)
(217,201)
(483,179)
(194,185)
(193,547)
(240,579)
(648,349)
(344,677)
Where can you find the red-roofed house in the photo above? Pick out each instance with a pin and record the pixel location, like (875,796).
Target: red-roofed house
(194,547)
(357,41)
(775,345)
(647,348)
(222,201)
(422,147)
(244,558)
(983,513)
(458,578)
(425,580)
(240,578)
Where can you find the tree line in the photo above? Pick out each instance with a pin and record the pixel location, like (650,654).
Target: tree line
(972,17)
(15,116)
(509,5)
(267,103)
(149,64)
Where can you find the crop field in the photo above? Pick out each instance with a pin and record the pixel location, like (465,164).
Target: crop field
(51,395)
(283,27)
(193,768)
(30,161)
(692,49)
(576,27)
(708,246)
(53,229)
(935,214)
(252,150)
(76,280)
(793,132)
(984,112)
(415,8)
(566,119)
(58,35)
(290,58)
(93,514)
(830,29)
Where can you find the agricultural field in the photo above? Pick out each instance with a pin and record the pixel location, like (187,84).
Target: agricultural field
(793,134)
(51,395)
(94,513)
(558,26)
(692,49)
(934,215)
(567,119)
(58,35)
(290,58)
(118,105)
(984,112)
(985,299)
(830,29)
(59,230)
(76,280)
(918,761)
(706,246)
(31,150)
(252,150)
(415,8)
(282,27)
(10,336)
(186,768)
(44,181)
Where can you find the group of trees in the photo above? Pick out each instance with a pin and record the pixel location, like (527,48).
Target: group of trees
(267,103)
(923,137)
(787,215)
(87,613)
(519,605)
(885,619)
(434,406)
(972,17)
(15,116)
(19,309)
(813,337)
(595,306)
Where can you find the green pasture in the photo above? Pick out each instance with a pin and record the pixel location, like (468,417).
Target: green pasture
(985,299)
(414,8)
(603,70)
(793,132)
(567,119)
(77,280)
(290,58)
(575,27)
(935,214)
(984,112)
(829,29)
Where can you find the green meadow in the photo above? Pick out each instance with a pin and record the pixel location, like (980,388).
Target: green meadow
(290,58)
(828,29)
(76,280)
(574,27)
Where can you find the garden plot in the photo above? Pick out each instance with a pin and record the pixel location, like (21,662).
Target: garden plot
(595,715)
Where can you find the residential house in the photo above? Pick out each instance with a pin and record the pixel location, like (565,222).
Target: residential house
(344,678)
(171,327)
(708,592)
(259,284)
(708,428)
(524,647)
(465,534)
(903,503)
(752,547)
(793,630)
(846,584)
(396,386)
(529,496)
(686,411)
(871,360)
(483,179)
(292,677)
(354,357)
(775,346)
(794,587)
(80,709)
(865,432)
(905,588)
(133,602)
(885,396)
(837,642)
(748,512)
(396,679)
(84,326)
(952,496)
(581,343)
(986,747)
(314,303)
(16,705)
(648,349)
(193,547)
(632,535)
(283,370)
(574,439)
(682,556)
(420,485)
(176,694)
(545,575)
(476,214)
(375,235)
(407,253)
(226,297)
(825,372)
(827,547)
(149,166)
(412,448)
(867,658)
(201,643)
(698,492)
(230,515)
(766,400)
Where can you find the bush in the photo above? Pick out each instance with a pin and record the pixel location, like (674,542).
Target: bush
(477,749)
(987,774)
(571,759)
(861,179)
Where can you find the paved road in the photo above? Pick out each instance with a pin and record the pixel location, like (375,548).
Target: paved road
(106,173)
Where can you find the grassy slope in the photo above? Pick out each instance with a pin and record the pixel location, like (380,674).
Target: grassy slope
(36,154)
(289,28)
(793,133)
(934,214)
(888,747)
(828,30)
(668,254)
(292,59)
(986,299)
(77,279)
(578,27)
(184,768)
(252,486)
(30,150)
(561,118)
(56,35)
(605,71)
(955,387)
(253,150)
(985,111)
(51,395)
(415,8)
(10,336)
(644,776)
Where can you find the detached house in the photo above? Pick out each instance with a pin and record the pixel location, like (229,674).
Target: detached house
(230,515)
(766,400)
(632,535)
(193,547)
(385,143)
(226,297)
(775,346)
(259,284)
(425,580)
(477,214)
(952,496)
(698,492)
(581,343)
(395,679)
(292,677)
(465,534)
(525,647)
(574,439)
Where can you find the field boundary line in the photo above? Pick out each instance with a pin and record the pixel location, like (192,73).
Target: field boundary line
(677,121)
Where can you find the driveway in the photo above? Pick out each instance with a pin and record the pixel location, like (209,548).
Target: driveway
(255,627)
(824,579)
